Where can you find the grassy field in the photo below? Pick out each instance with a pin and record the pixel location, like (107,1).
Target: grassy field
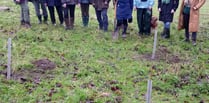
(92,68)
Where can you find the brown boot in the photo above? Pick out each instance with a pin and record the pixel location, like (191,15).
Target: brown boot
(71,23)
(115,35)
(67,24)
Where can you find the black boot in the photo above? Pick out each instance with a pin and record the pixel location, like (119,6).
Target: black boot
(39,19)
(194,38)
(163,33)
(167,33)
(45,19)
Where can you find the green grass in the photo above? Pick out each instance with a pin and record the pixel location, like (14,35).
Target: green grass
(90,64)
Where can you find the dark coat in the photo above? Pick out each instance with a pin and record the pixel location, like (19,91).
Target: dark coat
(100,4)
(85,1)
(124,9)
(165,14)
(53,2)
(69,2)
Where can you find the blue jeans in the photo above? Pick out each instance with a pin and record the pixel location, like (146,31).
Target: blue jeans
(102,18)
(40,4)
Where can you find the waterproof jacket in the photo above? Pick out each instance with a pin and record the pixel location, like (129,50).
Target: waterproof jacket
(85,1)
(143,3)
(100,4)
(69,2)
(53,2)
(165,14)
(124,9)
(194,15)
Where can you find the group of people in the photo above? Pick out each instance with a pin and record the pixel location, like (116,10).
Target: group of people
(188,18)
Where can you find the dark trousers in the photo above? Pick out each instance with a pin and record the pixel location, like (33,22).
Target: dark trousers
(102,18)
(123,23)
(40,4)
(144,20)
(85,13)
(59,12)
(70,8)
(186,26)
(85,10)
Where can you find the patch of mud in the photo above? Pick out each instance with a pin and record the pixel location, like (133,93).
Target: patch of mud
(44,64)
(162,54)
(42,69)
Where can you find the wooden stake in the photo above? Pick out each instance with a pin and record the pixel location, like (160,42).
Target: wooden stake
(154,45)
(9,59)
(149,91)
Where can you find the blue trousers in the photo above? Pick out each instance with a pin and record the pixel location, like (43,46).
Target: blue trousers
(102,18)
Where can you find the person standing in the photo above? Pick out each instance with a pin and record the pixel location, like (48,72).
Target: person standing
(85,11)
(25,16)
(39,4)
(144,15)
(124,9)
(189,18)
(101,7)
(55,4)
(69,7)
(167,9)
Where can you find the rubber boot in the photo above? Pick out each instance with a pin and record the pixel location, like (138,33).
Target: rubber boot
(45,19)
(67,24)
(71,23)
(39,19)
(124,35)
(167,33)
(84,21)
(163,33)
(115,33)
(167,36)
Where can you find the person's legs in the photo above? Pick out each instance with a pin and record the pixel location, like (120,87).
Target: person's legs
(25,13)
(37,10)
(147,21)
(167,30)
(22,21)
(72,15)
(44,10)
(125,26)
(118,25)
(85,14)
(194,38)
(186,26)
(60,14)
(52,16)
(140,20)
(105,19)
(99,18)
(66,17)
